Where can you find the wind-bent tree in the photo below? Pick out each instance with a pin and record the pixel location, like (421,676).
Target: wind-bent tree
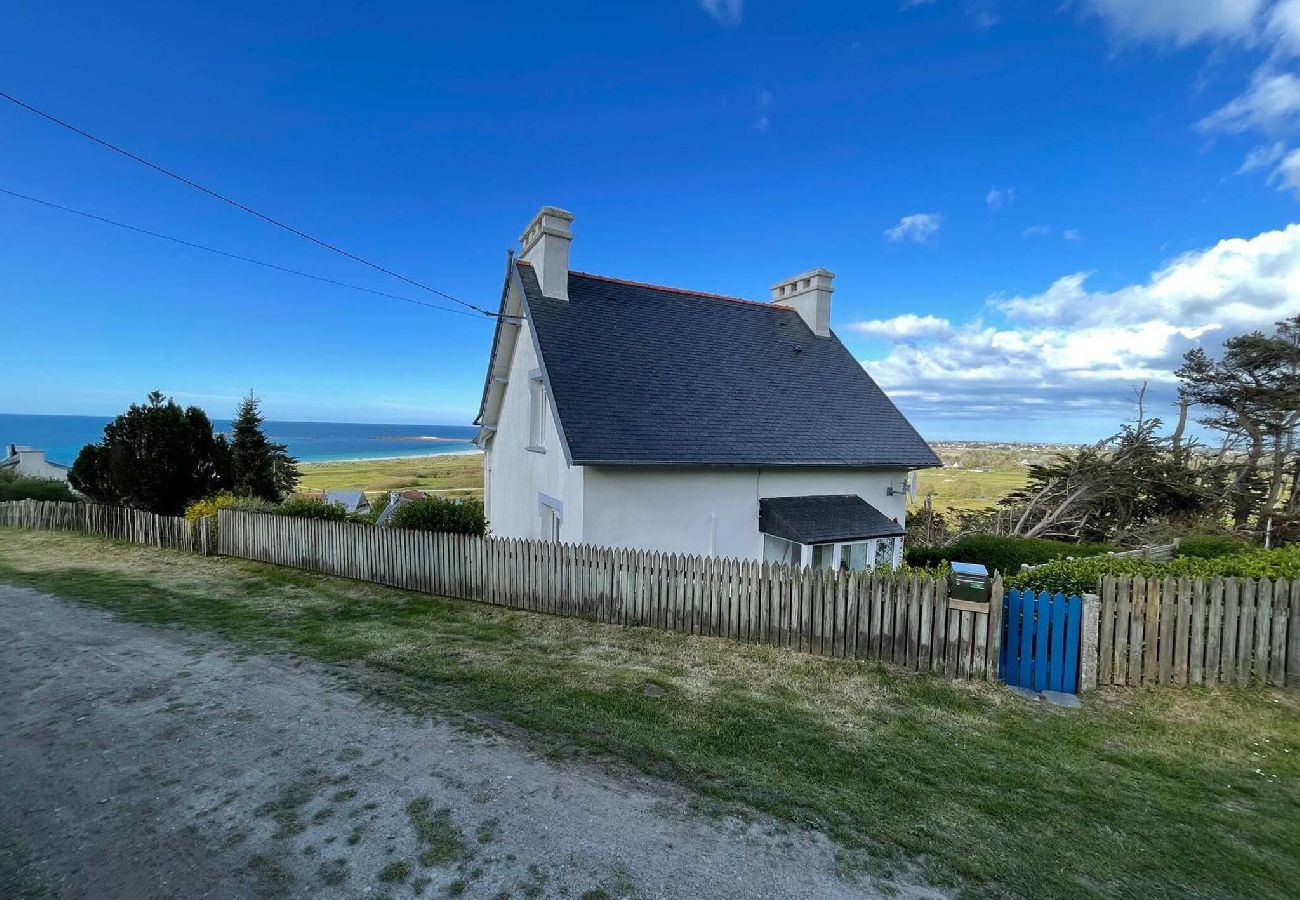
(258,467)
(1252,397)
(156,456)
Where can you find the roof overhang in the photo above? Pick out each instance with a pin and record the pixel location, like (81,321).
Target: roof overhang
(824,518)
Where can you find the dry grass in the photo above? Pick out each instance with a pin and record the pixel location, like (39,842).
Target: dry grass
(452,475)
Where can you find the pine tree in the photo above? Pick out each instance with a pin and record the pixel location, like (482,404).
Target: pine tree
(259,468)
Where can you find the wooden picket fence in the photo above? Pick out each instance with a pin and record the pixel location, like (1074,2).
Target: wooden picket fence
(1156,631)
(853,615)
(118,523)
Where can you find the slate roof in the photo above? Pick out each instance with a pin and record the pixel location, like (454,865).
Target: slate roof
(822,518)
(641,374)
(351,500)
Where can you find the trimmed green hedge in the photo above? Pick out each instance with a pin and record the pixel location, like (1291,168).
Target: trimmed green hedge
(310,508)
(23,487)
(460,516)
(999,553)
(1211,546)
(1082,575)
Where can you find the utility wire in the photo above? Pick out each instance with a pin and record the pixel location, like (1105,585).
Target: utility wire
(235,203)
(256,262)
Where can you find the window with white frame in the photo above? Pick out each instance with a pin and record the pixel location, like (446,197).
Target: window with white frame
(536,413)
(779,551)
(551,512)
(857,556)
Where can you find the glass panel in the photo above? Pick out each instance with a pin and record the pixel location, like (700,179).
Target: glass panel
(885,553)
(854,556)
(779,550)
(823,556)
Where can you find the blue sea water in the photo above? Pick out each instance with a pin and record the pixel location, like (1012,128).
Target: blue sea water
(62,437)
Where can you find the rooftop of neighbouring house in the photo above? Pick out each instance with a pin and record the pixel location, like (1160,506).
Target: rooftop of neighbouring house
(652,375)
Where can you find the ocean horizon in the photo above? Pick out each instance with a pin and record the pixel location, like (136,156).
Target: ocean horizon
(62,437)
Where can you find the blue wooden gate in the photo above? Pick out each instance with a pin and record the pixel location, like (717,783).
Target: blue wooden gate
(1040,648)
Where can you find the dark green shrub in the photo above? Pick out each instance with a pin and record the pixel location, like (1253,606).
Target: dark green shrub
(459,516)
(1211,546)
(1000,553)
(311,508)
(377,507)
(22,487)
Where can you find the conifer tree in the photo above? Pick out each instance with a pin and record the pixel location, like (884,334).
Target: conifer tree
(259,468)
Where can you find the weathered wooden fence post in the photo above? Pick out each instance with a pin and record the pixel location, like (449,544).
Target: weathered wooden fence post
(1088,642)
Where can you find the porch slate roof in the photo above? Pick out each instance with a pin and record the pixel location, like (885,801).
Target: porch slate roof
(823,518)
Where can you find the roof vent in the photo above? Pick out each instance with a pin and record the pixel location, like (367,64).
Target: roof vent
(808,294)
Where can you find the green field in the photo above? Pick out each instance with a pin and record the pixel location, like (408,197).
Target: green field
(445,474)
(976,476)
(1189,792)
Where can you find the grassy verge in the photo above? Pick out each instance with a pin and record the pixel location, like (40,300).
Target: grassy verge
(1151,794)
(451,475)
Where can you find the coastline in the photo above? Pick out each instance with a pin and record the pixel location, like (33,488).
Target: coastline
(363,459)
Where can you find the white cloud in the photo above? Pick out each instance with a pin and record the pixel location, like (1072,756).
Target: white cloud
(996,198)
(1036,231)
(1283,27)
(903,328)
(1073,350)
(1286,175)
(1271,102)
(1072,234)
(1181,22)
(1262,157)
(918,227)
(908,4)
(727,12)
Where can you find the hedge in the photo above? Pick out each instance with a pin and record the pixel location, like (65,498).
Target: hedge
(460,516)
(311,508)
(1084,575)
(999,553)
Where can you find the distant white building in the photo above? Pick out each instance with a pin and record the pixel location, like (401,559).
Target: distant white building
(633,415)
(31,463)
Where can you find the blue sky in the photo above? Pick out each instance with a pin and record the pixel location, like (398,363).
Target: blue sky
(1030,207)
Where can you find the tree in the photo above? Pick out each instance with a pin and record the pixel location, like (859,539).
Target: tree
(1252,396)
(156,456)
(258,467)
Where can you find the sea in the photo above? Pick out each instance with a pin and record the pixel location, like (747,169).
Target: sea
(62,437)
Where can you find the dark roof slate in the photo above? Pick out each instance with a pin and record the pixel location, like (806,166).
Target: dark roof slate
(650,375)
(823,518)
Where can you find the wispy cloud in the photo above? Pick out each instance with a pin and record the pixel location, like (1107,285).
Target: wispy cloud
(903,328)
(1180,22)
(1072,234)
(763,109)
(1036,231)
(1264,156)
(1271,102)
(996,199)
(918,228)
(726,12)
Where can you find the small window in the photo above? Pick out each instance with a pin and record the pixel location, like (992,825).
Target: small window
(885,553)
(536,414)
(854,556)
(551,514)
(782,552)
(823,556)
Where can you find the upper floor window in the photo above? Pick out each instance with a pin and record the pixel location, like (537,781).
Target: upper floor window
(536,413)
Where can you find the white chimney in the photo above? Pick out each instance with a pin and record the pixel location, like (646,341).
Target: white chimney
(808,294)
(545,244)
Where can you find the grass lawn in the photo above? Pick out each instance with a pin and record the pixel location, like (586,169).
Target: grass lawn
(451,476)
(1175,793)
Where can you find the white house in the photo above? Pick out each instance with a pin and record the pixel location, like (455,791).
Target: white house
(632,415)
(31,463)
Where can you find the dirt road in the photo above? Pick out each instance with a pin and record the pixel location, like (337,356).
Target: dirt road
(141,762)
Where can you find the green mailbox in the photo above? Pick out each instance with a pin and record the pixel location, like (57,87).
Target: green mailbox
(970,582)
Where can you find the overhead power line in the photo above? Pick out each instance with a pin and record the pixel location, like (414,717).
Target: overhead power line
(247,259)
(235,203)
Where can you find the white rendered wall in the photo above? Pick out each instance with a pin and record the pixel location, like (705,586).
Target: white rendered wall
(712,510)
(514,475)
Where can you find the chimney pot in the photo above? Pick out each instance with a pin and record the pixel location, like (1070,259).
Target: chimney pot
(545,244)
(808,294)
